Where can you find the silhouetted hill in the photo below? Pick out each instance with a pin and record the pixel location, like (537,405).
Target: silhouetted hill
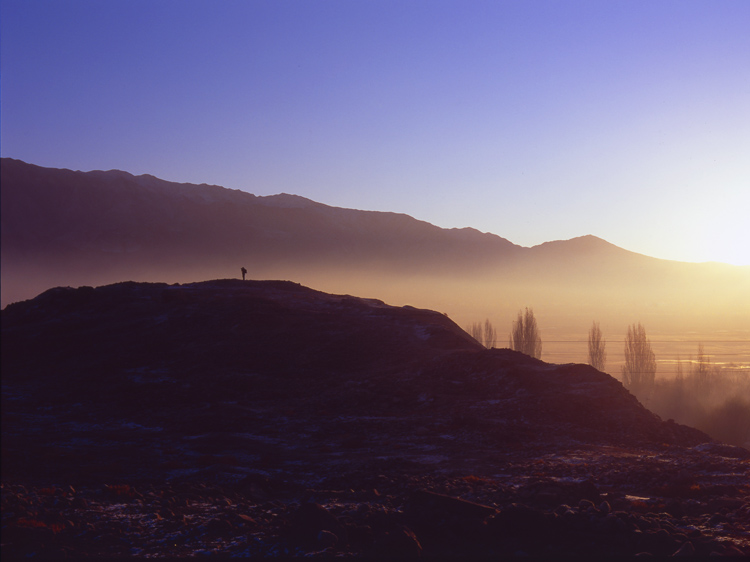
(265,418)
(151,355)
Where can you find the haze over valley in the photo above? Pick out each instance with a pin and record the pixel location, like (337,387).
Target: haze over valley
(66,228)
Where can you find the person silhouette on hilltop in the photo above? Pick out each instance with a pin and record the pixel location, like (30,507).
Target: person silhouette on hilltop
(244,272)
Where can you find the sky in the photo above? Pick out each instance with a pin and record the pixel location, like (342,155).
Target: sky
(534,120)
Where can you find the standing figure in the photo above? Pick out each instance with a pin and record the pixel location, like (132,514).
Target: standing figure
(244,272)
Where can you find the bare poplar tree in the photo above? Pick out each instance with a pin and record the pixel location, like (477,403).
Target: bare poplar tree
(486,335)
(597,348)
(490,335)
(475,331)
(639,371)
(701,370)
(524,334)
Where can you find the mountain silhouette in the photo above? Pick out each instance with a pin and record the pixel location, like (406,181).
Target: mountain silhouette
(114,223)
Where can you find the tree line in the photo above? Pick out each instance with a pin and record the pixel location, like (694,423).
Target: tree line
(638,372)
(712,398)
(524,334)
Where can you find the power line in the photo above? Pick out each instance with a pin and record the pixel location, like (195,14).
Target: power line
(704,341)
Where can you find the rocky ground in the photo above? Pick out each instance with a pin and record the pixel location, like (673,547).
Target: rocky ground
(266,419)
(587,503)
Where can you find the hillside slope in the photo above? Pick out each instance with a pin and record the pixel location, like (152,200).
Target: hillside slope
(266,419)
(144,355)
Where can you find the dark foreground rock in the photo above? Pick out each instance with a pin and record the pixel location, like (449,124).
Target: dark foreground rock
(264,418)
(402,517)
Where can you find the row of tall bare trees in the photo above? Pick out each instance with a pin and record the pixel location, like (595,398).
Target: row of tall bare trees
(524,334)
(708,397)
(713,398)
(639,370)
(638,373)
(484,334)
(726,416)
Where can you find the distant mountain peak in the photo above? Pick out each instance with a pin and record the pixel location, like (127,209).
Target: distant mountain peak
(582,246)
(585,240)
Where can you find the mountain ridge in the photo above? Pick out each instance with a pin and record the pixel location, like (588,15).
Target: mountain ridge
(287,200)
(283,200)
(70,228)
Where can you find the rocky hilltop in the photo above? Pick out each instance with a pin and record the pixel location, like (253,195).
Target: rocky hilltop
(292,421)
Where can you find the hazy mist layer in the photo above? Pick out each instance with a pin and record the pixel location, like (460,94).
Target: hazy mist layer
(64,228)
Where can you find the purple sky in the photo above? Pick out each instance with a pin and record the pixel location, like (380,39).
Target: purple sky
(534,120)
